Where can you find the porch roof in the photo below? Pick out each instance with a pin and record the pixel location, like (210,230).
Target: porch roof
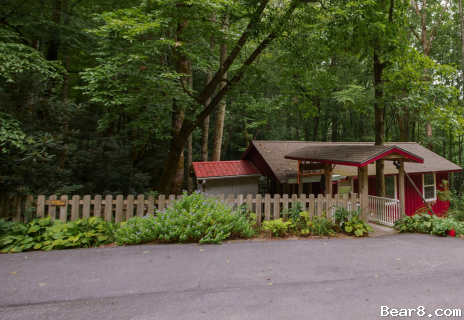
(273,155)
(353,155)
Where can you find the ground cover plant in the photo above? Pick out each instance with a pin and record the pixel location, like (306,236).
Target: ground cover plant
(195,217)
(428,223)
(351,223)
(47,234)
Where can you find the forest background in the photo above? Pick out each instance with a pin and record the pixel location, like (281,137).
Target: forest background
(119,97)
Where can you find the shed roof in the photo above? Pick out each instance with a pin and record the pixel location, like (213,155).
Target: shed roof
(224,168)
(273,152)
(357,155)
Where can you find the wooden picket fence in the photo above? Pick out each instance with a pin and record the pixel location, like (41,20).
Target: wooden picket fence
(119,209)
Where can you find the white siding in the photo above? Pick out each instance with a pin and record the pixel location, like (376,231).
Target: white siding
(233,186)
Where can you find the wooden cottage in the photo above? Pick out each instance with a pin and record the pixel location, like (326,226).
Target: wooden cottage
(305,167)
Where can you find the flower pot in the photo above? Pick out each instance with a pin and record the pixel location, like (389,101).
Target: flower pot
(451,233)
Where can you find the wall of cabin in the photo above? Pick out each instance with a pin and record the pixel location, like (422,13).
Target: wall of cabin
(413,200)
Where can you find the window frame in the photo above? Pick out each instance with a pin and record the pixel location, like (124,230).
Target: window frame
(429,185)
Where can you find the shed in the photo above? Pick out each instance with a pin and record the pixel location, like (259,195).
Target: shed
(226,177)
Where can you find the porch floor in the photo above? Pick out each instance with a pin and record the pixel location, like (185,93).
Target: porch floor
(381,230)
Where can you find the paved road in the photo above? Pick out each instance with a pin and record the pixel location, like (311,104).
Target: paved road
(311,279)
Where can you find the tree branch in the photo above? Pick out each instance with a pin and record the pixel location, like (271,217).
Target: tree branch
(415,34)
(17,7)
(433,32)
(416,7)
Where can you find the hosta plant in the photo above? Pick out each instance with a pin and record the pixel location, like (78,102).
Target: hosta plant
(47,234)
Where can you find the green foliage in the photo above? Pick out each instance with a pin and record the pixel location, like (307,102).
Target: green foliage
(301,225)
(355,225)
(426,223)
(321,226)
(47,234)
(341,215)
(351,223)
(195,217)
(5,227)
(278,228)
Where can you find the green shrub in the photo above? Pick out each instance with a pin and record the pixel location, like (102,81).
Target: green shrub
(351,223)
(5,227)
(278,227)
(194,217)
(321,226)
(426,223)
(357,226)
(47,234)
(341,215)
(301,225)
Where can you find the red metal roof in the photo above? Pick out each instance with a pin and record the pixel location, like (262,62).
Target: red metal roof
(223,168)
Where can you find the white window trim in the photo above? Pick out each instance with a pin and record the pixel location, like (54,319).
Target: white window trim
(434,187)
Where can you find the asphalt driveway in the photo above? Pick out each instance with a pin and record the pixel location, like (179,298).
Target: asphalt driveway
(304,279)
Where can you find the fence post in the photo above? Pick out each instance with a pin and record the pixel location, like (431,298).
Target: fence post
(303,201)
(17,206)
(320,205)
(97,206)
(276,206)
(239,200)
(311,206)
(285,207)
(108,207)
(51,209)
(353,201)
(40,212)
(337,201)
(75,207)
(328,206)
(294,200)
(258,209)
(86,207)
(64,209)
(249,202)
(151,205)
(119,206)
(130,206)
(140,205)
(267,207)
(230,199)
(161,203)
(345,202)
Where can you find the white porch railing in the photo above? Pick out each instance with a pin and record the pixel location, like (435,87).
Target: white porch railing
(384,210)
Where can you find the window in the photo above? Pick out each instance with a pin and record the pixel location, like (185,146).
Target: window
(429,186)
(390,187)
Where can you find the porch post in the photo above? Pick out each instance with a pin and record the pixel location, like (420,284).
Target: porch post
(363,181)
(328,179)
(401,189)
(300,186)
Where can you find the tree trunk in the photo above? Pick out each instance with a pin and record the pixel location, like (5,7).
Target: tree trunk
(462,44)
(428,133)
(182,67)
(67,59)
(379,123)
(205,128)
(189,141)
(180,137)
(334,129)
(221,111)
(307,130)
(317,102)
